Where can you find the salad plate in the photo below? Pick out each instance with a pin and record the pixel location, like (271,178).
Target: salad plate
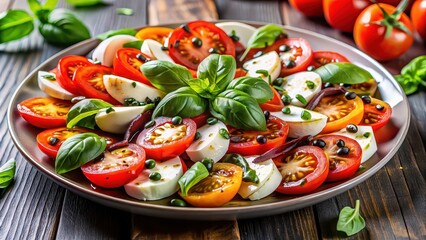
(389,139)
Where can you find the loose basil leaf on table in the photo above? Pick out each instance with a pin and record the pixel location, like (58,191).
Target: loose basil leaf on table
(350,221)
(83,113)
(124,31)
(78,150)
(84,3)
(192,176)
(15,24)
(343,72)
(134,44)
(239,110)
(255,87)
(183,102)
(7,173)
(165,75)
(412,75)
(249,175)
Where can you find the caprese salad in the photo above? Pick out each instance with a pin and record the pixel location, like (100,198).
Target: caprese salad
(210,111)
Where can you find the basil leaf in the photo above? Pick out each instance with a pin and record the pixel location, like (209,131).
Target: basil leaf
(249,175)
(408,84)
(183,102)
(134,44)
(219,70)
(15,24)
(239,110)
(413,74)
(343,72)
(263,37)
(34,5)
(165,75)
(124,31)
(7,173)
(63,28)
(124,11)
(200,86)
(50,4)
(255,87)
(350,221)
(83,113)
(192,176)
(78,150)
(83,3)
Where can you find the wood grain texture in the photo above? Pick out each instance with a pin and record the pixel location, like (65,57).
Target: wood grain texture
(263,11)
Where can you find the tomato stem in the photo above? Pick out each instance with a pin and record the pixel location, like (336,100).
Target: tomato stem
(392,21)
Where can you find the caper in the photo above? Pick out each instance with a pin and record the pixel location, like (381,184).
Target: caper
(155,176)
(177,202)
(197,42)
(150,163)
(177,120)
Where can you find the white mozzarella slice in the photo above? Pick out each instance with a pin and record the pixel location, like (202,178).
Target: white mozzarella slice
(51,87)
(153,49)
(121,88)
(269,62)
(210,145)
(143,188)
(106,50)
(243,31)
(299,127)
(365,137)
(118,119)
(299,83)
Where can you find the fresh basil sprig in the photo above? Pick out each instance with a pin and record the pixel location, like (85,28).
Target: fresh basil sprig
(350,221)
(83,113)
(192,176)
(255,87)
(413,75)
(249,175)
(15,24)
(111,33)
(78,150)
(343,72)
(7,173)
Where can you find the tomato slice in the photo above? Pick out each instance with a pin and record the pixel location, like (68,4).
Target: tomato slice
(117,167)
(240,73)
(158,34)
(66,69)
(166,140)
(340,111)
(376,114)
(296,59)
(90,82)
(273,105)
(321,58)
(342,164)
(127,63)
(44,112)
(208,38)
(366,88)
(245,142)
(304,169)
(201,119)
(218,188)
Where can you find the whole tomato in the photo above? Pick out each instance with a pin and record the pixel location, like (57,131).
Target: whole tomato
(383,38)
(341,14)
(418,16)
(310,8)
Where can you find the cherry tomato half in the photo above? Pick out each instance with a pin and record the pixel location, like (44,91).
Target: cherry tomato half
(321,58)
(376,114)
(117,167)
(218,188)
(246,142)
(66,69)
(44,112)
(127,63)
(273,105)
(304,169)
(310,8)
(418,16)
(158,34)
(166,140)
(194,41)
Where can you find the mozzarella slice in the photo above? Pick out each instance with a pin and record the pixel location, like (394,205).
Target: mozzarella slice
(153,49)
(269,62)
(106,50)
(299,127)
(118,119)
(243,31)
(269,179)
(144,188)
(121,88)
(210,145)
(365,138)
(52,87)
(298,84)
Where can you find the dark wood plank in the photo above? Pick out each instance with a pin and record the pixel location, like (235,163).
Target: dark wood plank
(263,11)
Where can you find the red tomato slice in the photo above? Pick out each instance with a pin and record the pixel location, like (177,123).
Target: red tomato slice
(44,112)
(342,164)
(90,82)
(127,63)
(201,119)
(376,114)
(66,69)
(321,58)
(165,140)
(210,38)
(273,105)
(304,169)
(117,167)
(245,142)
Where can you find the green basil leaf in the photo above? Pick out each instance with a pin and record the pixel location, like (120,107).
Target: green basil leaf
(249,175)
(239,110)
(63,28)
(255,87)
(83,113)
(219,70)
(350,221)
(263,37)
(200,86)
(124,31)
(78,150)
(192,176)
(124,11)
(343,72)
(83,3)
(165,75)
(50,4)
(134,44)
(408,84)
(15,24)
(7,173)
(34,5)
(183,102)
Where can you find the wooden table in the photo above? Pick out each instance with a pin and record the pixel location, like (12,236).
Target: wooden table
(393,200)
